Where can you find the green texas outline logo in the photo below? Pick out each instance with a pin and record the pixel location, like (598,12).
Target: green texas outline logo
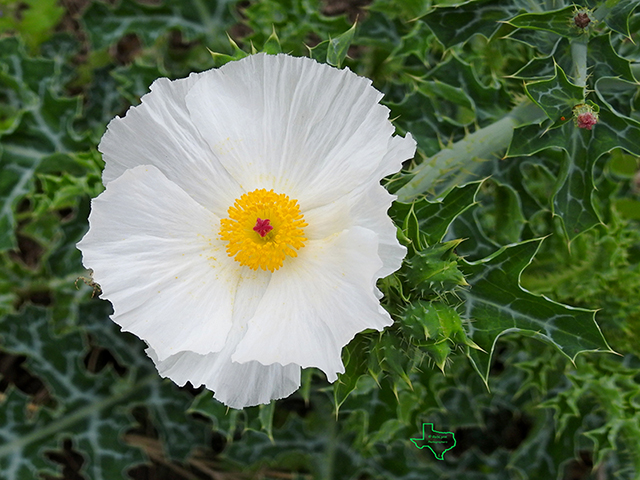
(437,442)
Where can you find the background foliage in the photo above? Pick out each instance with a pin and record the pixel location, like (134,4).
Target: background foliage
(522,229)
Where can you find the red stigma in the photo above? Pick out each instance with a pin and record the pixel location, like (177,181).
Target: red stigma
(262,227)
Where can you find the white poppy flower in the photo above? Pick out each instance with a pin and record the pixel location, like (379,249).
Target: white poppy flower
(243,226)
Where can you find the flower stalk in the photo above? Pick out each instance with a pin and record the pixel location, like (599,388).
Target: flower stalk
(455,164)
(579,57)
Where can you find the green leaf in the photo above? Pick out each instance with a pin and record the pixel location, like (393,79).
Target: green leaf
(572,199)
(392,357)
(614,387)
(415,114)
(542,41)
(220,59)
(604,61)
(454,25)
(450,104)
(559,22)
(42,129)
(339,46)
(617,17)
(436,328)
(225,420)
(431,219)
(297,22)
(544,67)
(556,96)
(91,409)
(546,451)
(134,81)
(505,213)
(266,418)
(462,161)
(34,20)
(434,270)
(619,95)
(354,358)
(319,51)
(272,45)
(597,410)
(86,411)
(628,208)
(487,101)
(496,304)
(476,244)
(408,9)
(194,18)
(142,386)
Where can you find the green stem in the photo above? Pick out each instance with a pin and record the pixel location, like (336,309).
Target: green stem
(455,164)
(329,458)
(579,57)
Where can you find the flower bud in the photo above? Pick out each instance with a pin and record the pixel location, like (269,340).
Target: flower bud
(584,116)
(582,20)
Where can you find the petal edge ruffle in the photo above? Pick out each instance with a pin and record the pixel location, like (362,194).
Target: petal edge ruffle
(153,251)
(314,306)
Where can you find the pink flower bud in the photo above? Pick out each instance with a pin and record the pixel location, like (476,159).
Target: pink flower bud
(585,116)
(587,120)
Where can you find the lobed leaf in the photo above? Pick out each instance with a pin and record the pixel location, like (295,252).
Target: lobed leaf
(42,129)
(559,22)
(487,101)
(618,15)
(339,46)
(195,19)
(572,199)
(454,25)
(496,304)
(556,96)
(91,409)
(431,219)
(434,270)
(35,20)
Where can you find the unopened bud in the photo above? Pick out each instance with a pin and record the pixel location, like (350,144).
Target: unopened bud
(587,120)
(585,116)
(582,20)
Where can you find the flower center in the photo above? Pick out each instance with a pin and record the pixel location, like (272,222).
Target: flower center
(262,226)
(263,229)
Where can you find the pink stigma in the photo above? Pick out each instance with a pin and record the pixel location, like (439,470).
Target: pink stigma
(262,226)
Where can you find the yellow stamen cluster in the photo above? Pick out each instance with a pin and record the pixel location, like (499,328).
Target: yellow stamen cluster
(248,240)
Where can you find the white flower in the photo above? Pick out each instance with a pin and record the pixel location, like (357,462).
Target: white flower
(243,225)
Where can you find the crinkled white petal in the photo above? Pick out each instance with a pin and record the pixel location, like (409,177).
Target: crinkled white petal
(160,132)
(399,149)
(237,385)
(234,384)
(154,252)
(367,207)
(316,303)
(302,128)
